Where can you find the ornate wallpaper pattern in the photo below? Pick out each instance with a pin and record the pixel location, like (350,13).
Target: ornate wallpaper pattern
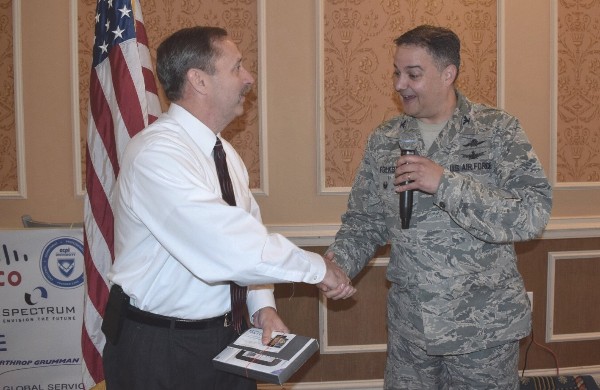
(358,66)
(8,136)
(357,61)
(578,111)
(163,17)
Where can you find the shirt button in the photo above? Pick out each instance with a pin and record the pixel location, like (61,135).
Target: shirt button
(443,205)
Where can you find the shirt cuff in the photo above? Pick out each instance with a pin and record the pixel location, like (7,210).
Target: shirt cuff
(316,274)
(258,298)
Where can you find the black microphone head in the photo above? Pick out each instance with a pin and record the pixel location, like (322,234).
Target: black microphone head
(408,140)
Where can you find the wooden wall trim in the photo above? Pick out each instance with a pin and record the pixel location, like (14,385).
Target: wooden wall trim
(261,20)
(564,227)
(553,258)
(21,192)
(324,329)
(342,159)
(374,384)
(78,184)
(323,234)
(377,384)
(79,133)
(557,46)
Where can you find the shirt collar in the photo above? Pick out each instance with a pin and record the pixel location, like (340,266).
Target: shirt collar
(202,136)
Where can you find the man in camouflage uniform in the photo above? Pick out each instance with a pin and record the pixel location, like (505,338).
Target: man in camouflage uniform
(457,305)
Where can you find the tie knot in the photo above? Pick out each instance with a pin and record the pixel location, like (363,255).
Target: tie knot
(218,144)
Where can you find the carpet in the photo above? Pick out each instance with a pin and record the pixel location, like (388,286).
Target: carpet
(571,382)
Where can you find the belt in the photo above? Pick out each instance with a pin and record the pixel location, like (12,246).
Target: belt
(147,318)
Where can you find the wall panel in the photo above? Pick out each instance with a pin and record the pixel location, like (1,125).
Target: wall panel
(578,97)
(576,306)
(12,149)
(534,265)
(356,67)
(572,295)
(162,18)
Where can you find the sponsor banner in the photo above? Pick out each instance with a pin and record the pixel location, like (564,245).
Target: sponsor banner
(41,310)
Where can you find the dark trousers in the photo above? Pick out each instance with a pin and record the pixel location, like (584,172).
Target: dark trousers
(149,358)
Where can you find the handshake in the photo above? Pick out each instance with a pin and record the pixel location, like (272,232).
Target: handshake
(335,284)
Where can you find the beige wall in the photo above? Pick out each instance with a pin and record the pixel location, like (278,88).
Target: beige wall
(525,86)
(292,203)
(47,124)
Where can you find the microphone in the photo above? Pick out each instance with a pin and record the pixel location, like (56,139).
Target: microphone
(408,146)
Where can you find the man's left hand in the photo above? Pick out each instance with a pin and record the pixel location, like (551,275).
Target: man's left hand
(269,321)
(422,174)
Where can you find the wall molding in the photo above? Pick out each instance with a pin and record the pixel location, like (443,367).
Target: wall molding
(324,234)
(553,257)
(322,188)
(554,57)
(79,185)
(324,329)
(21,192)
(261,25)
(262,100)
(553,89)
(501,55)
(579,227)
(377,384)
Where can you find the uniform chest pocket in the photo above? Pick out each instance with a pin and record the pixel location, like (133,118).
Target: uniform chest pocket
(385,184)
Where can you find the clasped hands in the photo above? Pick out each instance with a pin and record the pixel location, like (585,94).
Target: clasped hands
(336,284)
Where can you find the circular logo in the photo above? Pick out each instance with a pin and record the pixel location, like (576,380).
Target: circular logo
(34,297)
(62,262)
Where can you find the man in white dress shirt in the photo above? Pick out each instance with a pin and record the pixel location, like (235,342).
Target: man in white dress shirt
(178,244)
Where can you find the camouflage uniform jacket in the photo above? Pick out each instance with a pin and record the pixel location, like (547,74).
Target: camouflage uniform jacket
(457,260)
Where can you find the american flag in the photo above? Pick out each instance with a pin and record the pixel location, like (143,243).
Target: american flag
(123,100)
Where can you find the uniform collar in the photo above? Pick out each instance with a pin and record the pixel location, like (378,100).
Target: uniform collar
(406,124)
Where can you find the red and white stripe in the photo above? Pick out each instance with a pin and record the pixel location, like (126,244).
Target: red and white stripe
(123,100)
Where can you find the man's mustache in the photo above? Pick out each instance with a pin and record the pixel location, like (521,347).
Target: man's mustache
(246,90)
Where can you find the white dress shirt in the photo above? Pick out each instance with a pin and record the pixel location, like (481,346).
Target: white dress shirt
(178,243)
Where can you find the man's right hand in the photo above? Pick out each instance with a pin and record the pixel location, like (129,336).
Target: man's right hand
(335,284)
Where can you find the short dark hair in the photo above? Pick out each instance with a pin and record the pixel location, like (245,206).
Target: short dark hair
(442,43)
(186,49)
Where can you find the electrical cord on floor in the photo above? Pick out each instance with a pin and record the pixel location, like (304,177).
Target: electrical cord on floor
(533,341)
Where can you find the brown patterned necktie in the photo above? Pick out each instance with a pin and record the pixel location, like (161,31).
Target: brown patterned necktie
(238,293)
